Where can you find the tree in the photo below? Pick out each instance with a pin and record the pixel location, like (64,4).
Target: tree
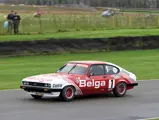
(157,3)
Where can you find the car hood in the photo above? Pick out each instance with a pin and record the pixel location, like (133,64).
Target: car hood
(46,78)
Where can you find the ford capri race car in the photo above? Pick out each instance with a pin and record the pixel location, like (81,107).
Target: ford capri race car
(78,78)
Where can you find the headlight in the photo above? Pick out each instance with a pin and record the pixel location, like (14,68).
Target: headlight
(47,85)
(25,83)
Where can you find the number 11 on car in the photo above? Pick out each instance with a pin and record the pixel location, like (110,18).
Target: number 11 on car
(111,84)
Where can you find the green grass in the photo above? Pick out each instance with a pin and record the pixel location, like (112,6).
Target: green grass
(152,119)
(13,69)
(72,22)
(140,11)
(63,19)
(82,34)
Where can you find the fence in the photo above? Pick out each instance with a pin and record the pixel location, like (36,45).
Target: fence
(99,3)
(59,23)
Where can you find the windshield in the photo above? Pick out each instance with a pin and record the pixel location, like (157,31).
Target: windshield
(74,69)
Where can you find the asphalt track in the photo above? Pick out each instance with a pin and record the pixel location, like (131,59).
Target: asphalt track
(139,103)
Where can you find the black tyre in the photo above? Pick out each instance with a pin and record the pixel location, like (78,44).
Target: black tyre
(37,96)
(68,93)
(120,89)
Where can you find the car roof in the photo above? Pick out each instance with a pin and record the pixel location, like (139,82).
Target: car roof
(88,62)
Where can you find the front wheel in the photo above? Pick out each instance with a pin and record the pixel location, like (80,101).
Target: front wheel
(120,89)
(68,93)
(37,96)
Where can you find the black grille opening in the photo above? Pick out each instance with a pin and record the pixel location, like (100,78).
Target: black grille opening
(37,84)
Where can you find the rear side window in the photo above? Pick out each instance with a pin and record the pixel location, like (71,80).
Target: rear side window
(110,70)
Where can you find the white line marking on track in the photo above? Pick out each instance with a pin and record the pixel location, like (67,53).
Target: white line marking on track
(137,80)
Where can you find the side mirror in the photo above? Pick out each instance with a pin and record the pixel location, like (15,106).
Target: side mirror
(91,74)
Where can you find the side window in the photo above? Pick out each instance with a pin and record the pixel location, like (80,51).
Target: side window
(110,70)
(97,70)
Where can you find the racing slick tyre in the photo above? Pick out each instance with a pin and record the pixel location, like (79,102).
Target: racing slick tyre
(120,89)
(68,93)
(37,96)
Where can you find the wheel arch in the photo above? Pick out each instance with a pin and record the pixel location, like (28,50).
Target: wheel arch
(122,81)
(77,89)
(67,85)
(63,94)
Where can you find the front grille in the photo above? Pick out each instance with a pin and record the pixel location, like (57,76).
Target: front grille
(36,84)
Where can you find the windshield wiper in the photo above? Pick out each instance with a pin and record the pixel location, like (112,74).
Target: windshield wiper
(72,69)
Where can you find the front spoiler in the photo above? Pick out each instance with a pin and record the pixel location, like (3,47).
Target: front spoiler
(53,94)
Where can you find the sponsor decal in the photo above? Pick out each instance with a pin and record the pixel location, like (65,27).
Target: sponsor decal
(57,85)
(82,65)
(111,84)
(92,83)
(70,64)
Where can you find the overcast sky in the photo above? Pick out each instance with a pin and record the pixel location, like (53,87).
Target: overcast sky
(2,0)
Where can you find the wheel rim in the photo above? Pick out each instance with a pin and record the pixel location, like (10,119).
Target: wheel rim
(69,93)
(121,88)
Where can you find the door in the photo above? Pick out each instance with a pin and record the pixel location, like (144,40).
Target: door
(100,79)
(97,80)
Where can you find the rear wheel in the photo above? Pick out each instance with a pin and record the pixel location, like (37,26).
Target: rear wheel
(37,96)
(120,89)
(68,93)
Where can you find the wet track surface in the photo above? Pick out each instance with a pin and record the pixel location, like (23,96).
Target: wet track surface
(141,102)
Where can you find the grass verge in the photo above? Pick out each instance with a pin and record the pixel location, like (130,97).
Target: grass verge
(13,69)
(82,34)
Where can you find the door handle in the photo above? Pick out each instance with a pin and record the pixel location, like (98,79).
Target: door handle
(104,76)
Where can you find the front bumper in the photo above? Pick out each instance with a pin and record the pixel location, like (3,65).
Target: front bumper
(41,90)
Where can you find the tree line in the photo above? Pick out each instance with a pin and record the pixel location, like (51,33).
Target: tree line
(101,3)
